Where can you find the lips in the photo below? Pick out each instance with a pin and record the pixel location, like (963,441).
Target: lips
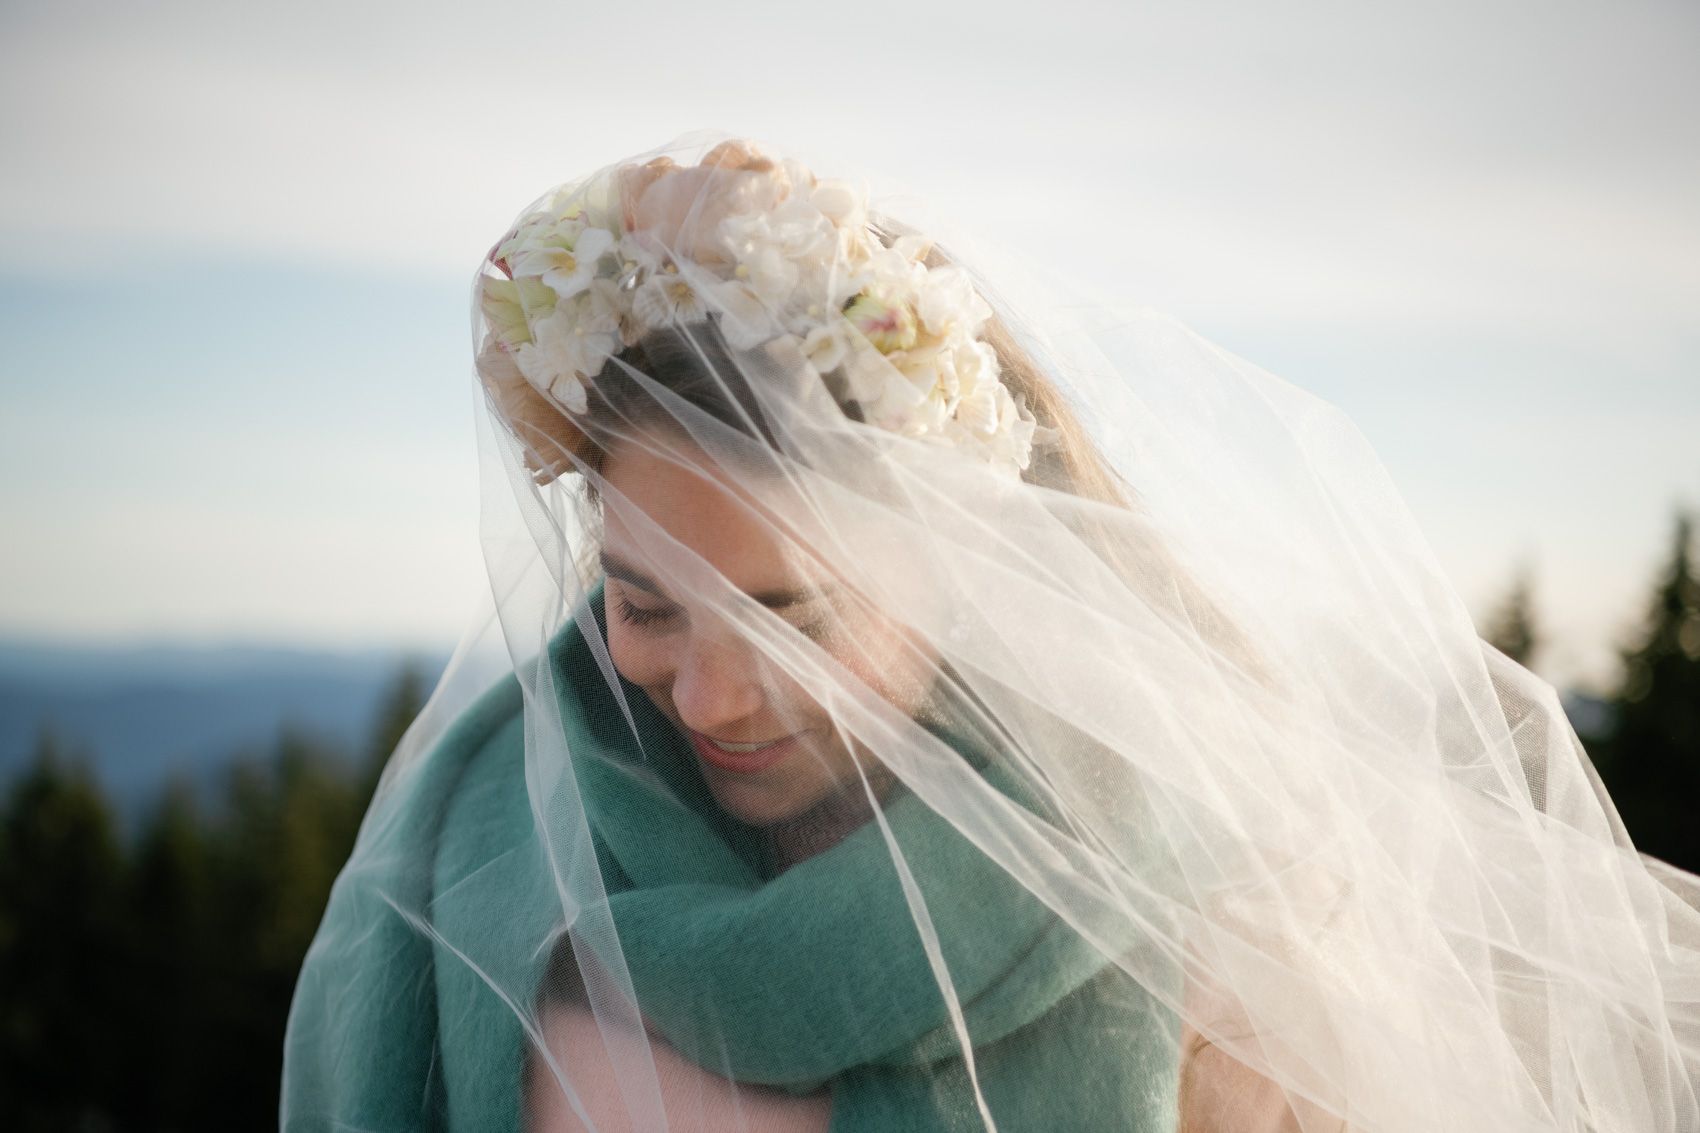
(742,762)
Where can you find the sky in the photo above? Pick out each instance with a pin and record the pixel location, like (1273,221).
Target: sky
(237,244)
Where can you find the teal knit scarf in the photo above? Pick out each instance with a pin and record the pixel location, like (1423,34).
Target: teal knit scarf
(405,1016)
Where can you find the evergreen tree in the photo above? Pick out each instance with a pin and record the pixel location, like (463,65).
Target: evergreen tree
(1511,629)
(149,990)
(286,830)
(172,945)
(62,965)
(1651,761)
(401,704)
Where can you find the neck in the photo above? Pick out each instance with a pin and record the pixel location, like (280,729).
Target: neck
(829,821)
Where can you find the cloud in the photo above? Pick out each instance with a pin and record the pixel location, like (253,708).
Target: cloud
(1430,205)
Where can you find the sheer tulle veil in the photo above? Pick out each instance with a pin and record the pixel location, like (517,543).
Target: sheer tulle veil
(917,693)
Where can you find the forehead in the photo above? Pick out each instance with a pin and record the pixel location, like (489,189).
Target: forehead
(675,487)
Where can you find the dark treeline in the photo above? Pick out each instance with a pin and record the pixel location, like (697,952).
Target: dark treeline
(1647,747)
(1650,757)
(144,984)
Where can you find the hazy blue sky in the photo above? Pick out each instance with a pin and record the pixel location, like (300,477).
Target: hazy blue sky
(236,244)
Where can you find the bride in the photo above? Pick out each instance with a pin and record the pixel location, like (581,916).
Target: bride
(931,706)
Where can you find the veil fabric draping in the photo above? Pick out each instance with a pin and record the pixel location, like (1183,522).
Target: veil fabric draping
(919,696)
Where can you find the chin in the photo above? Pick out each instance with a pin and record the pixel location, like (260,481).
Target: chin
(758,804)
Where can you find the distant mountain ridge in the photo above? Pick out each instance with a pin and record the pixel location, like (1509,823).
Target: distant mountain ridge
(145,714)
(24,660)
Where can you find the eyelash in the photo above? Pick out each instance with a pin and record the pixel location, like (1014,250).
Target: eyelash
(636,616)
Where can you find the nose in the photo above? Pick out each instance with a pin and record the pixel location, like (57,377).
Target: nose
(717,684)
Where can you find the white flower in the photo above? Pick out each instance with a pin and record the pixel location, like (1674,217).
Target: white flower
(606,306)
(745,321)
(828,345)
(599,308)
(884,319)
(1008,443)
(551,224)
(929,417)
(980,408)
(771,251)
(512,305)
(566,263)
(638,249)
(888,397)
(563,351)
(840,203)
(966,367)
(1012,442)
(948,302)
(525,234)
(534,362)
(770,273)
(890,270)
(865,370)
(668,297)
(776,252)
(912,246)
(900,405)
(570,392)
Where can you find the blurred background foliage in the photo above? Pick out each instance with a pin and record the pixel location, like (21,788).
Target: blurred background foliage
(145,980)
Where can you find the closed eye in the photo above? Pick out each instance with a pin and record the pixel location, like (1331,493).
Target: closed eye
(639,616)
(635,615)
(815,629)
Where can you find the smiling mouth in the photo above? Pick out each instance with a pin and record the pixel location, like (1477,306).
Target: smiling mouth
(724,746)
(746,758)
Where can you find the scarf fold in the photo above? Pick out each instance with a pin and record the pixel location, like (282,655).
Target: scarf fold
(406,1016)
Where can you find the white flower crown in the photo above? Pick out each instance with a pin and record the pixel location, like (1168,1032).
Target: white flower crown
(773,253)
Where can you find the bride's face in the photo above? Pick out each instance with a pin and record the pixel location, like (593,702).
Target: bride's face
(767,749)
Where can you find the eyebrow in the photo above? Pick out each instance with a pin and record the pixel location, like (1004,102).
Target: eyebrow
(615,567)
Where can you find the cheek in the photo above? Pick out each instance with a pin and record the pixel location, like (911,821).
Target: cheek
(883,656)
(637,657)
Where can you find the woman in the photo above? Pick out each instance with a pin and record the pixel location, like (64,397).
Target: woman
(931,710)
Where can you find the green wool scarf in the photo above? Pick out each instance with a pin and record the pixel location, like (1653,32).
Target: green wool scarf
(407,1015)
